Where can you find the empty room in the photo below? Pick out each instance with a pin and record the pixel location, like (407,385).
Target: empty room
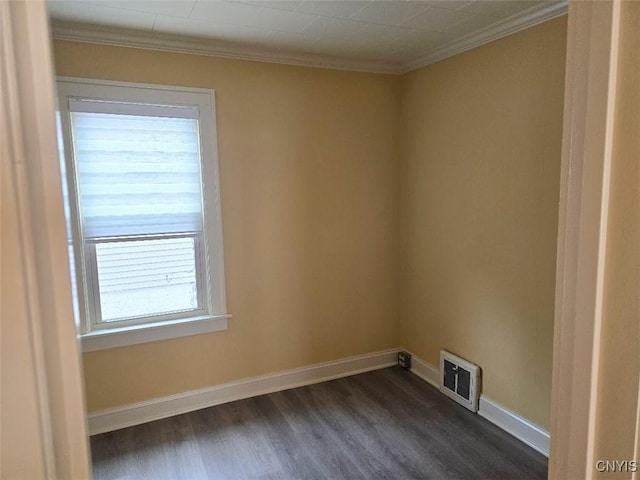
(320,239)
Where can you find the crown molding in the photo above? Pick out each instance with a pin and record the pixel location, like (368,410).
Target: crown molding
(503,28)
(85,33)
(80,32)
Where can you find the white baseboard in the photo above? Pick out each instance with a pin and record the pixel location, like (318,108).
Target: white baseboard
(425,371)
(163,407)
(510,422)
(519,427)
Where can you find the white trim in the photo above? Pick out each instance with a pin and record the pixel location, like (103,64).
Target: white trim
(139,85)
(34,214)
(103,35)
(79,32)
(157,408)
(503,28)
(589,100)
(125,108)
(152,332)
(512,423)
(146,99)
(425,371)
(519,427)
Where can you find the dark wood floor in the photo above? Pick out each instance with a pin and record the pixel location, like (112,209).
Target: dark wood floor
(382,424)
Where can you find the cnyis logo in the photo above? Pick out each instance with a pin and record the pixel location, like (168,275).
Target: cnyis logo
(617,466)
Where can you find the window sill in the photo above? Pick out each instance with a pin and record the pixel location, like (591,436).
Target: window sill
(152,332)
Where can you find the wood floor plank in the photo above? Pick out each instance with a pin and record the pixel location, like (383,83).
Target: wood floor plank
(386,424)
(369,441)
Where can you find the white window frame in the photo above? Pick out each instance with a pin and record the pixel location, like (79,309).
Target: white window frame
(212,314)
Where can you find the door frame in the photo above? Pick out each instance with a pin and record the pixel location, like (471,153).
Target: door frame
(30,162)
(587,144)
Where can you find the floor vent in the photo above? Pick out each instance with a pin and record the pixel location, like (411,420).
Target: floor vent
(460,380)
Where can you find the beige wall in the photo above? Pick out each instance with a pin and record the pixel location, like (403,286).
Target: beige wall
(619,376)
(480,152)
(332,181)
(308,167)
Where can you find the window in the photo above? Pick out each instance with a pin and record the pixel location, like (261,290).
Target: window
(144,211)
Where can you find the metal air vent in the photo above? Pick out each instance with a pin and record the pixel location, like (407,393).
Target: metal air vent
(460,380)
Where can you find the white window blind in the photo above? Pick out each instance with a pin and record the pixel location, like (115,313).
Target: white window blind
(137,174)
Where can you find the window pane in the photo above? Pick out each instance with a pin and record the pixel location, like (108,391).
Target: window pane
(146,277)
(137,175)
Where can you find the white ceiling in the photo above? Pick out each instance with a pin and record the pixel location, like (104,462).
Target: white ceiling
(388,32)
